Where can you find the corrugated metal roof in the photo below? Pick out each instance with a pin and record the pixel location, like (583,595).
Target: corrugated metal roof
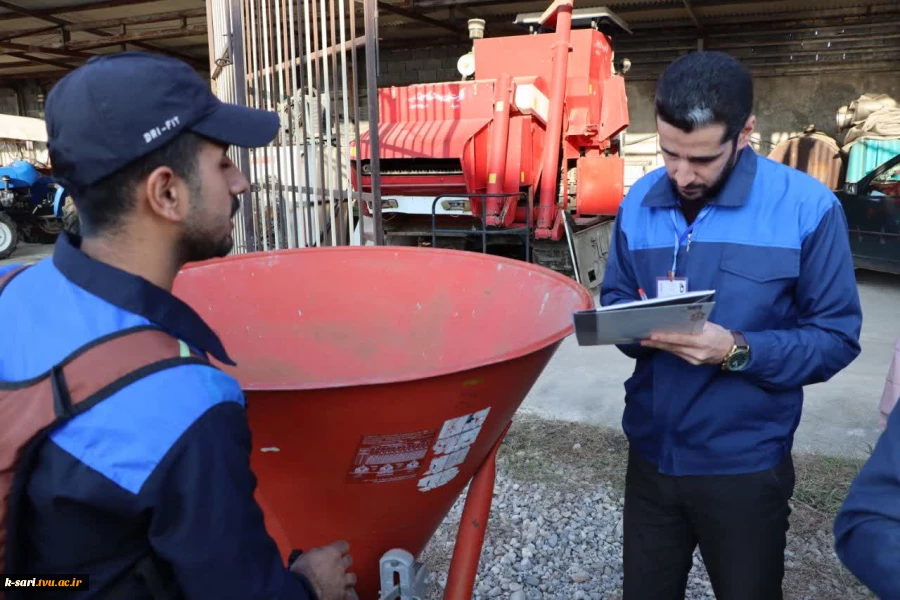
(32,42)
(658,21)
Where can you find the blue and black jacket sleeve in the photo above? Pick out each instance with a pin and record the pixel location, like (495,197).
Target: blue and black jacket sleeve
(867,528)
(205,521)
(825,338)
(620,283)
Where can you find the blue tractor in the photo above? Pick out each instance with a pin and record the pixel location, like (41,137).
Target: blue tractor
(30,206)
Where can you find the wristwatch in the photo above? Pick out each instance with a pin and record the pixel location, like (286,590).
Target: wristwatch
(739,356)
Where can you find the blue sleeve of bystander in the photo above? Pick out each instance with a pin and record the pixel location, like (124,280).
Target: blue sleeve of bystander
(867,528)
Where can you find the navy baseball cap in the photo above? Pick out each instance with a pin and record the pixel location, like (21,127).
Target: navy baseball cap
(119,107)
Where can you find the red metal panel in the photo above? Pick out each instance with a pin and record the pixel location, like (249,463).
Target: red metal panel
(499,149)
(614,110)
(589,69)
(534,58)
(601,185)
(418,185)
(430,120)
(425,139)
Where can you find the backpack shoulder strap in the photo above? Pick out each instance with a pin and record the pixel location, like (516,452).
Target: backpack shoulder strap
(30,410)
(109,364)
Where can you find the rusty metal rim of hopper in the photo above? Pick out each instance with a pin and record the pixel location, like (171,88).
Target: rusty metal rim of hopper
(519,353)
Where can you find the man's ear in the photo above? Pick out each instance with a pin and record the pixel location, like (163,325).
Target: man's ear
(166,194)
(746,132)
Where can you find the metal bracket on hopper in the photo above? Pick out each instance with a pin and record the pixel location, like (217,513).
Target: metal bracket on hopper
(400,564)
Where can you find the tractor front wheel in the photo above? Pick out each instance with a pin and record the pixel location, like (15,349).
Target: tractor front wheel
(9,235)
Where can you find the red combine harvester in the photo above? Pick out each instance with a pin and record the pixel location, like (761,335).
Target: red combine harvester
(526,147)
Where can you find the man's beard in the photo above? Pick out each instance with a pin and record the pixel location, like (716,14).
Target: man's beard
(709,191)
(199,244)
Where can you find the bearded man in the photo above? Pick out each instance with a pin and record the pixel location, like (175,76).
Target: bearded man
(710,418)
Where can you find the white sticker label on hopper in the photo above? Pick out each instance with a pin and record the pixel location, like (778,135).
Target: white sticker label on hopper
(388,458)
(451,449)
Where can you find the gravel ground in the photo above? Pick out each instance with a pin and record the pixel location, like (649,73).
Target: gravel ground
(555,532)
(545,543)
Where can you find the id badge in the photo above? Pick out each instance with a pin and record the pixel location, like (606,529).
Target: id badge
(666,287)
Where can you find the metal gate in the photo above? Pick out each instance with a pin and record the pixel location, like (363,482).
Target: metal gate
(299,58)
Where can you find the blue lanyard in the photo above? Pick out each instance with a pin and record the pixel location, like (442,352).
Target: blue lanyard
(680,239)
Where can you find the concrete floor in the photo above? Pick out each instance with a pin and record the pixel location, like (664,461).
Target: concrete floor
(28,254)
(840,417)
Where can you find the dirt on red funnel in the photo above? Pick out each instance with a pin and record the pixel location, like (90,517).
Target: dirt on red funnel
(378,380)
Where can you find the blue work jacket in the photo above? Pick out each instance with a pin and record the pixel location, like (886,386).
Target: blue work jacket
(162,464)
(774,246)
(867,528)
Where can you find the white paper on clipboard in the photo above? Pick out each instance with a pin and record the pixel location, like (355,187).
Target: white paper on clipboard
(631,322)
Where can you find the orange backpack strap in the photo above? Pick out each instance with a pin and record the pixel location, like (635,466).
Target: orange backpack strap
(30,410)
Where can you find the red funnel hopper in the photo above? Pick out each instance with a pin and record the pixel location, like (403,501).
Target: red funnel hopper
(378,381)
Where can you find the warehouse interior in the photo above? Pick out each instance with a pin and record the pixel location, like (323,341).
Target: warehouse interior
(324,66)
(810,57)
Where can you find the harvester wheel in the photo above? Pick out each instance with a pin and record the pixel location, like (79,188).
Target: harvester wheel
(9,235)
(70,217)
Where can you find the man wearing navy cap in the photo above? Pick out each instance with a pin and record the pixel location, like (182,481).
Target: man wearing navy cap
(149,492)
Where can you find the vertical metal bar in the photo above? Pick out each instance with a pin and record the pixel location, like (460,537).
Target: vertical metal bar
(356,117)
(260,241)
(472,526)
(239,75)
(309,24)
(320,143)
(287,7)
(326,139)
(528,222)
(346,91)
(263,91)
(212,33)
(298,128)
(269,82)
(279,87)
(338,150)
(304,182)
(484,201)
(371,16)
(548,208)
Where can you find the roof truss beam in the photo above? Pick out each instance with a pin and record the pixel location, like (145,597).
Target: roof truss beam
(18,12)
(174,15)
(99,32)
(138,36)
(42,50)
(418,16)
(38,59)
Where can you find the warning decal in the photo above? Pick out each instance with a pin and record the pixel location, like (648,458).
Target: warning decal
(452,448)
(390,457)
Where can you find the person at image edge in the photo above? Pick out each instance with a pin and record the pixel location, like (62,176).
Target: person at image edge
(152,486)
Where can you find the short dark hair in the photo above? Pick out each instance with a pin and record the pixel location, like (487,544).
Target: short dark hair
(705,88)
(102,205)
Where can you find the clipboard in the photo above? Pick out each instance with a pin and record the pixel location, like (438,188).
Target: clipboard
(631,322)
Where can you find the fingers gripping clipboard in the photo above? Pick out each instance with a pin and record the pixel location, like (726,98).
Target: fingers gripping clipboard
(631,322)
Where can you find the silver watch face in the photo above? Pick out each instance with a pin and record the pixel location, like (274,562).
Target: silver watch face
(739,360)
